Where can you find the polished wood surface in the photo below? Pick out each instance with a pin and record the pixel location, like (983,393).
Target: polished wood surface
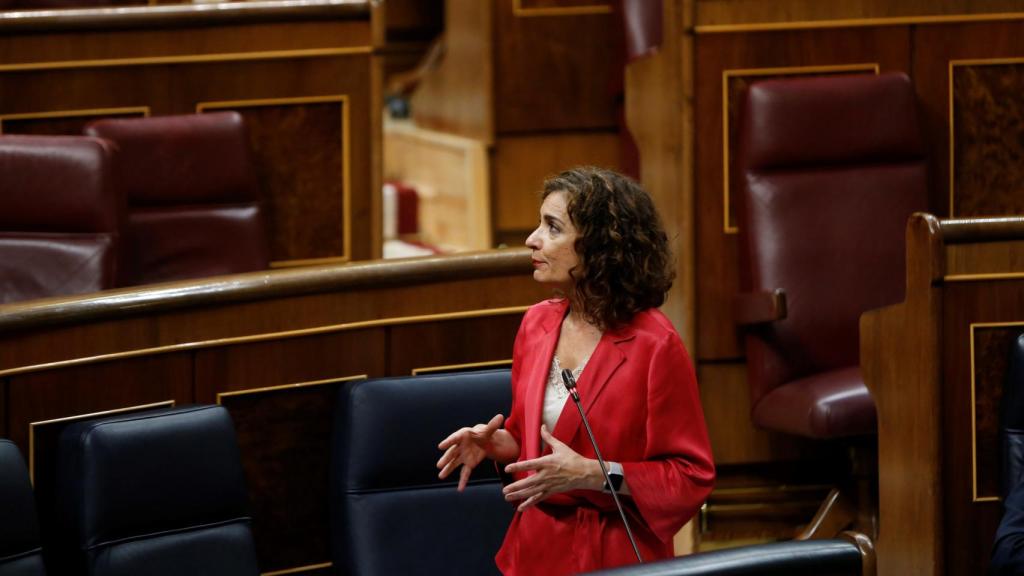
(935,387)
(723,13)
(302,73)
(273,347)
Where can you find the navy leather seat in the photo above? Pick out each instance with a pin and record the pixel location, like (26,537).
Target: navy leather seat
(20,554)
(389,512)
(838,557)
(1012,418)
(160,493)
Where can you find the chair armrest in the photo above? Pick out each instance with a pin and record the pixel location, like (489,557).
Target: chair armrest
(759,307)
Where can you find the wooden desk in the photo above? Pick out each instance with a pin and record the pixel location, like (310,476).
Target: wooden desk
(935,365)
(273,347)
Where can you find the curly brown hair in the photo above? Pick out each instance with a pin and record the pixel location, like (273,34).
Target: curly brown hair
(625,262)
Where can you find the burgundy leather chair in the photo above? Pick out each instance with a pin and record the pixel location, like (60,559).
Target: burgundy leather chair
(59,217)
(832,169)
(192,194)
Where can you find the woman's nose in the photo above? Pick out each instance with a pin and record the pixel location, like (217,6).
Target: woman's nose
(531,241)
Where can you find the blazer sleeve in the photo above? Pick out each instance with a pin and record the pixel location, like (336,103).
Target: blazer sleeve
(677,473)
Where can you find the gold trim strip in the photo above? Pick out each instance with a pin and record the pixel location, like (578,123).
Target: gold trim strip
(32,427)
(191,58)
(311,383)
(743,72)
(974,411)
(202,344)
(124,111)
(346,164)
(983,277)
(952,109)
(298,569)
(855,23)
(450,367)
(520,12)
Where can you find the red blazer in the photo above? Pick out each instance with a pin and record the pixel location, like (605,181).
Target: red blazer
(640,395)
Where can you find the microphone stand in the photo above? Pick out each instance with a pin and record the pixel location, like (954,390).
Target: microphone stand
(570,385)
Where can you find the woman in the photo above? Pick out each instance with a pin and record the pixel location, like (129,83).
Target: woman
(600,246)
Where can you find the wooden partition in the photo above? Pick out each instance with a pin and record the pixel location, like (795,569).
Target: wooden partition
(935,365)
(304,75)
(273,348)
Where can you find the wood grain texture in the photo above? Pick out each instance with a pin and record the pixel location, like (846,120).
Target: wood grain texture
(988,141)
(520,164)
(717,251)
(555,73)
(458,96)
(970,430)
(725,12)
(934,48)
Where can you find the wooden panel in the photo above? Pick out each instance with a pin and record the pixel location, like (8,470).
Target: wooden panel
(302,155)
(526,7)
(740,12)
(746,55)
(458,96)
(302,148)
(935,48)
(36,400)
(734,439)
(450,174)
(971,416)
(450,343)
(973,259)
(549,76)
(988,138)
(522,163)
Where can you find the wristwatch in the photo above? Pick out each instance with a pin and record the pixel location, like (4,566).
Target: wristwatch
(615,475)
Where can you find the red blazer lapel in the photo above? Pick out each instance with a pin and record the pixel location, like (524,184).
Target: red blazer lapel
(537,364)
(610,353)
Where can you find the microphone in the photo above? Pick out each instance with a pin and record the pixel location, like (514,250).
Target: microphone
(570,385)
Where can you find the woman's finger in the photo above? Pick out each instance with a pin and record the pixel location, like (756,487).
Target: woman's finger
(494,423)
(548,438)
(452,439)
(464,476)
(535,464)
(532,501)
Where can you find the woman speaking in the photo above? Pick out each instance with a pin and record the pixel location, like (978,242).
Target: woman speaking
(601,247)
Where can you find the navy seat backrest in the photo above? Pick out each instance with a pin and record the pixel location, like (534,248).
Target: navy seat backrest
(20,554)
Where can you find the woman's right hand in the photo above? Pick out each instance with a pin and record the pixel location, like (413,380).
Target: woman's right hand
(467,447)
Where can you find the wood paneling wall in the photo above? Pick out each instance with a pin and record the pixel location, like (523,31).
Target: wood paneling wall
(935,365)
(273,347)
(305,79)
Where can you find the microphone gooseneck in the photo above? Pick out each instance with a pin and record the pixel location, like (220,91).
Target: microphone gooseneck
(570,385)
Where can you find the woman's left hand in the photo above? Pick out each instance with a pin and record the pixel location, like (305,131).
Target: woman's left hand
(560,471)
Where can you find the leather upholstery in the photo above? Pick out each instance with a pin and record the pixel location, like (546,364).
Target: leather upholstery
(159,492)
(193,201)
(389,512)
(791,558)
(1012,418)
(20,554)
(833,168)
(59,217)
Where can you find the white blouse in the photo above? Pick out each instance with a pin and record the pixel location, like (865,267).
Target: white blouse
(555,394)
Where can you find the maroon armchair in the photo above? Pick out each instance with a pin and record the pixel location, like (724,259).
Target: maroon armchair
(833,168)
(59,217)
(192,194)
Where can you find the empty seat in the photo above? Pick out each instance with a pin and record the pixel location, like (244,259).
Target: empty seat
(389,512)
(59,217)
(192,194)
(160,493)
(20,554)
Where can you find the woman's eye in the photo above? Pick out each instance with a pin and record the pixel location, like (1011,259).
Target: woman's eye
(553,229)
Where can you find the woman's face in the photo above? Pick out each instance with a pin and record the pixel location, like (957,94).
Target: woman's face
(552,243)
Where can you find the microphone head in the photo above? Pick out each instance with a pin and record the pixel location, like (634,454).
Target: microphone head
(568,380)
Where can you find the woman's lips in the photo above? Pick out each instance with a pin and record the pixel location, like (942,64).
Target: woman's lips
(537,263)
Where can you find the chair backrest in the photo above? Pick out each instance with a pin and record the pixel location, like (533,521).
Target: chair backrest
(389,512)
(20,554)
(833,168)
(1012,418)
(837,557)
(158,492)
(59,217)
(192,193)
